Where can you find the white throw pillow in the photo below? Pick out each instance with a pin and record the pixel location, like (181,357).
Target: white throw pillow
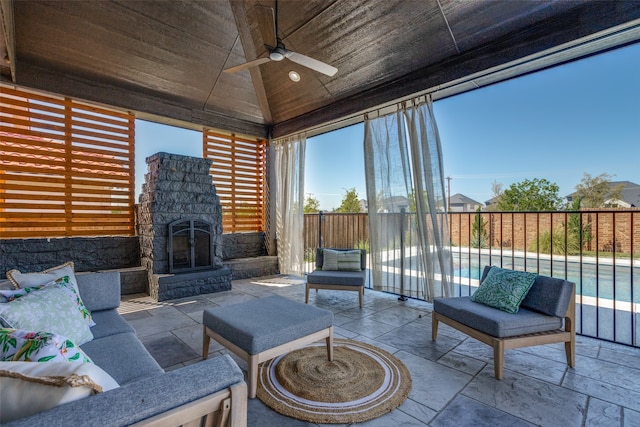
(30,280)
(53,308)
(24,388)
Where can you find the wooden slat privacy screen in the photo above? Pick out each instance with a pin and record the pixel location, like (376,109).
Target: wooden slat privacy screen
(66,168)
(238,172)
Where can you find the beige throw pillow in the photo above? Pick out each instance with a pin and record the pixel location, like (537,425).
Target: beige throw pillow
(27,388)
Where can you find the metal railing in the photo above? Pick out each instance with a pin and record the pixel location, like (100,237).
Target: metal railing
(599,250)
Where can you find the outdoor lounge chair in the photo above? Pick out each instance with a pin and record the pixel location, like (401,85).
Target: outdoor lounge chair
(351,277)
(546,315)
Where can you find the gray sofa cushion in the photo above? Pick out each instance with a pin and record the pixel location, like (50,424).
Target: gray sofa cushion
(122,356)
(492,321)
(143,399)
(109,322)
(547,295)
(99,291)
(259,325)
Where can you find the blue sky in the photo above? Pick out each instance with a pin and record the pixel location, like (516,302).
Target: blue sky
(555,124)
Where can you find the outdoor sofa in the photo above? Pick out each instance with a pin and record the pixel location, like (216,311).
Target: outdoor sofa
(146,395)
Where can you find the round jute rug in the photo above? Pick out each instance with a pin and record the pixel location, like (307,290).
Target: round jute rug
(362,383)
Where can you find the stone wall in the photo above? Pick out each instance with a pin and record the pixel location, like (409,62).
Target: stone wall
(243,245)
(176,187)
(87,253)
(179,188)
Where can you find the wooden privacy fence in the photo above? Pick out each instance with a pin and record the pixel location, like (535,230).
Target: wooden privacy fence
(238,171)
(603,230)
(335,230)
(66,169)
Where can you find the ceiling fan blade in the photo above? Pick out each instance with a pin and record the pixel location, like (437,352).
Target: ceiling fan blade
(267,24)
(314,64)
(246,65)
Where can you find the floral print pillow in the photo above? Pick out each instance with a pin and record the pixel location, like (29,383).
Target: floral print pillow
(13,294)
(31,346)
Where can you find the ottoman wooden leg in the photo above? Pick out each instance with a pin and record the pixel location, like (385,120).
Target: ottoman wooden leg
(329,340)
(206,339)
(253,363)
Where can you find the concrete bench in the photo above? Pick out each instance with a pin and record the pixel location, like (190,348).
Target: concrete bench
(257,331)
(546,315)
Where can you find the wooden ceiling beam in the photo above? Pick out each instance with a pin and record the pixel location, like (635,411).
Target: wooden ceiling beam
(248,46)
(8,35)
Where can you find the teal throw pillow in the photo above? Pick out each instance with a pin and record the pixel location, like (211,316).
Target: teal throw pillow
(504,289)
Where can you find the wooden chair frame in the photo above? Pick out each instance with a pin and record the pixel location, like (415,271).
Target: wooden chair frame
(226,408)
(567,335)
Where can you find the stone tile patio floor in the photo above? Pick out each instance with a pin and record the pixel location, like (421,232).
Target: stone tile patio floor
(453,383)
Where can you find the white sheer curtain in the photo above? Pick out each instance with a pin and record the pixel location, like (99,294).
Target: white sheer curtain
(408,228)
(289,156)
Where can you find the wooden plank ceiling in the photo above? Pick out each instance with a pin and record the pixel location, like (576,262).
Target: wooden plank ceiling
(166,58)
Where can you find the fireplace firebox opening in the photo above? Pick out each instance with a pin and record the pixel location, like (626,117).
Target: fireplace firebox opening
(190,246)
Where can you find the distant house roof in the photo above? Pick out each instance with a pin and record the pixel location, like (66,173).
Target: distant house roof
(461,199)
(492,201)
(393,204)
(630,193)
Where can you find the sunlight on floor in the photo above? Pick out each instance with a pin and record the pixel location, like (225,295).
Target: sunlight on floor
(139,302)
(279,282)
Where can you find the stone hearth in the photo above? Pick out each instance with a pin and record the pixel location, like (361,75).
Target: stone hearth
(179,187)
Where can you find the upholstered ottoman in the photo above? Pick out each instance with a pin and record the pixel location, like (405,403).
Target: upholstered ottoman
(257,331)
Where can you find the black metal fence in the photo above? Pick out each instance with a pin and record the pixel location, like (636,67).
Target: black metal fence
(598,250)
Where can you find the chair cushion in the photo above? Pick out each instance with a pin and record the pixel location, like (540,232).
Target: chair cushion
(99,291)
(547,295)
(122,356)
(265,323)
(345,278)
(550,296)
(492,321)
(109,322)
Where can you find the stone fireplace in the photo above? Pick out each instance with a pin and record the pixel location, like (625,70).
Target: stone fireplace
(179,222)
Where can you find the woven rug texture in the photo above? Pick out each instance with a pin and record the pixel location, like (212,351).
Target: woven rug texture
(363,382)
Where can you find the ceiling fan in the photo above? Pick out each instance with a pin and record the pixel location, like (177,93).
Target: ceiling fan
(268,24)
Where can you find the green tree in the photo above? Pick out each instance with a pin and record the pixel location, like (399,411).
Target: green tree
(350,202)
(530,195)
(594,192)
(577,234)
(311,205)
(496,189)
(479,238)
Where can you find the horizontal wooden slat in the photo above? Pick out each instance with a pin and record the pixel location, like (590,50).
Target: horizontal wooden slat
(10,234)
(237,171)
(67,167)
